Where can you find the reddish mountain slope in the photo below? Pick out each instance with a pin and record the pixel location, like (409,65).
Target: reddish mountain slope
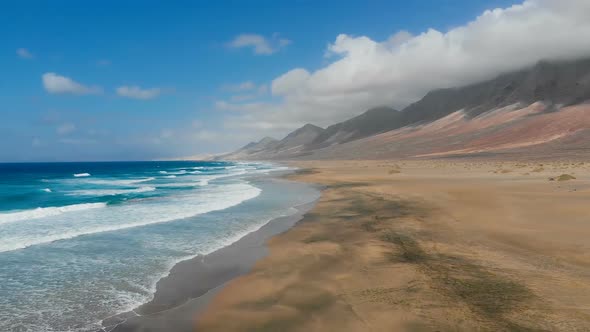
(510,130)
(541,111)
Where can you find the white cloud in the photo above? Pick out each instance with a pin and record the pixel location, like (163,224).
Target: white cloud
(223,105)
(365,73)
(259,44)
(246,90)
(289,81)
(65,128)
(55,83)
(243,97)
(197,124)
(207,135)
(262,89)
(24,53)
(399,38)
(136,92)
(283,42)
(240,87)
(219,137)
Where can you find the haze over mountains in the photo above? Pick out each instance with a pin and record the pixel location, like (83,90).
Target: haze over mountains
(540,110)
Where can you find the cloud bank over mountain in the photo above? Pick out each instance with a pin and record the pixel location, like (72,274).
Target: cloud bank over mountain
(365,73)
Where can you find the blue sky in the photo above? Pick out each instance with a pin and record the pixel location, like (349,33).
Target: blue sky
(136,80)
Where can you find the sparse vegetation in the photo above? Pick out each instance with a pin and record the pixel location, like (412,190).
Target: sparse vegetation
(317,238)
(487,293)
(565,177)
(408,249)
(306,171)
(369,226)
(347,185)
(490,295)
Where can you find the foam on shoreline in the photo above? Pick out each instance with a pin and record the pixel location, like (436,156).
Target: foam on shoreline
(241,252)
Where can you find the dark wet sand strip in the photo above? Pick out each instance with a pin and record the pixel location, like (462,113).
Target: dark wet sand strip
(191,283)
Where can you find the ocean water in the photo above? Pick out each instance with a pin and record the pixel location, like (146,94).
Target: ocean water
(80,242)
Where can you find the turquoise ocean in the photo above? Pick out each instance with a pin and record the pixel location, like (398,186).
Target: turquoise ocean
(80,242)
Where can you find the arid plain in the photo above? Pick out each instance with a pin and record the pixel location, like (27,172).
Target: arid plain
(424,245)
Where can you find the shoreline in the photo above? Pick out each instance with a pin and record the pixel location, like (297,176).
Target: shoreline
(186,290)
(404,246)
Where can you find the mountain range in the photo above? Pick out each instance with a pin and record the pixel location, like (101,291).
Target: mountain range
(541,111)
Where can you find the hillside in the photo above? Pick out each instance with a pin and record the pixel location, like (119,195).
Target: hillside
(373,121)
(269,148)
(541,110)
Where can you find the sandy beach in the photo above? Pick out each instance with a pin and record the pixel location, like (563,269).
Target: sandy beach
(295,166)
(186,289)
(436,245)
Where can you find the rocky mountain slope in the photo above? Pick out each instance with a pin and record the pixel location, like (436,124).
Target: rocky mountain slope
(251,149)
(298,139)
(538,110)
(373,121)
(269,148)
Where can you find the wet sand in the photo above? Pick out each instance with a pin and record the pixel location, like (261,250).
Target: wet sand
(436,245)
(182,295)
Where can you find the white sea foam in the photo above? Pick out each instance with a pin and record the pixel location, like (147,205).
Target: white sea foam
(130,290)
(81,175)
(170,176)
(163,172)
(200,181)
(184,184)
(47,190)
(118,182)
(43,212)
(110,192)
(131,300)
(49,227)
(245,231)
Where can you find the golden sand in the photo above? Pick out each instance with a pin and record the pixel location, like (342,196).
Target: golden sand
(424,246)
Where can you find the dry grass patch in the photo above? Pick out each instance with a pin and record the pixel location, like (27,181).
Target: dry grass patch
(489,295)
(306,171)
(370,225)
(409,251)
(317,238)
(565,177)
(344,185)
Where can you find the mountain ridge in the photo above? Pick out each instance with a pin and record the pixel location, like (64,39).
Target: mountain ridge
(551,86)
